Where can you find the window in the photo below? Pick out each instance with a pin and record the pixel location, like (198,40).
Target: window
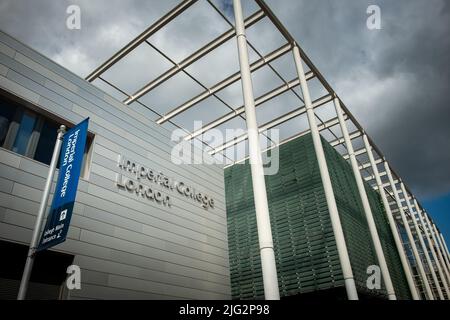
(31,134)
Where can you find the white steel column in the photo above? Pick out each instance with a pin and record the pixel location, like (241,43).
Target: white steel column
(422,273)
(444,255)
(268,265)
(433,252)
(392,223)
(445,249)
(365,202)
(422,243)
(344,258)
(433,232)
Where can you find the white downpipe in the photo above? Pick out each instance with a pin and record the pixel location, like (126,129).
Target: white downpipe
(392,223)
(422,242)
(433,251)
(268,264)
(365,202)
(344,258)
(422,273)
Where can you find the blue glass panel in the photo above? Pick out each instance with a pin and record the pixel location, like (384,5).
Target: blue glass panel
(24,133)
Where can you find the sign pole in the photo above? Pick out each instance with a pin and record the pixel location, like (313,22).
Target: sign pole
(40,217)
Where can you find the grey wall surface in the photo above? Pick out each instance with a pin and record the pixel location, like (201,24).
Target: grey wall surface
(126,246)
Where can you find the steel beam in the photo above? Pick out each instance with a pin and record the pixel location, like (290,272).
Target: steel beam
(192,58)
(271,124)
(224,83)
(258,101)
(411,240)
(344,258)
(438,251)
(392,224)
(432,250)
(268,265)
(366,205)
(172,14)
(422,242)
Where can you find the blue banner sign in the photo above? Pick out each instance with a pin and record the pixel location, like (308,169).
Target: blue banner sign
(70,161)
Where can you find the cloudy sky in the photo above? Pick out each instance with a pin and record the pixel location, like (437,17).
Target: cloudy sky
(395,80)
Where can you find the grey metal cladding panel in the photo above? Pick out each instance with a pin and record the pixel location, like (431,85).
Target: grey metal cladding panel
(27,220)
(169,290)
(89,276)
(18,90)
(143,147)
(176,233)
(71,92)
(151,264)
(10,158)
(181,234)
(107,181)
(21,176)
(176,172)
(63,96)
(37,168)
(22,69)
(6,186)
(15,233)
(135,226)
(3,70)
(108,169)
(162,221)
(198,251)
(105,147)
(7,50)
(59,110)
(31,64)
(160,211)
(38,89)
(138,249)
(93,291)
(12,44)
(121,269)
(107,159)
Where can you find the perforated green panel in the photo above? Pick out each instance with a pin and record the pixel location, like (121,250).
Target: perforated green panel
(305,248)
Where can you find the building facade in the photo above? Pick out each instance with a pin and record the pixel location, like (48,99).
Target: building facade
(305,247)
(157,235)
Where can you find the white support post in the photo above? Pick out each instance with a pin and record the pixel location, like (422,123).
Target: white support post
(411,240)
(365,202)
(421,241)
(441,259)
(443,253)
(268,264)
(445,249)
(432,249)
(344,258)
(392,223)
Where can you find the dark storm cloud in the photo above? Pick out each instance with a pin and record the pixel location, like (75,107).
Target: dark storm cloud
(395,80)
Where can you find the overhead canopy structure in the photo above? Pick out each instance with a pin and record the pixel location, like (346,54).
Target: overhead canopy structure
(290,95)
